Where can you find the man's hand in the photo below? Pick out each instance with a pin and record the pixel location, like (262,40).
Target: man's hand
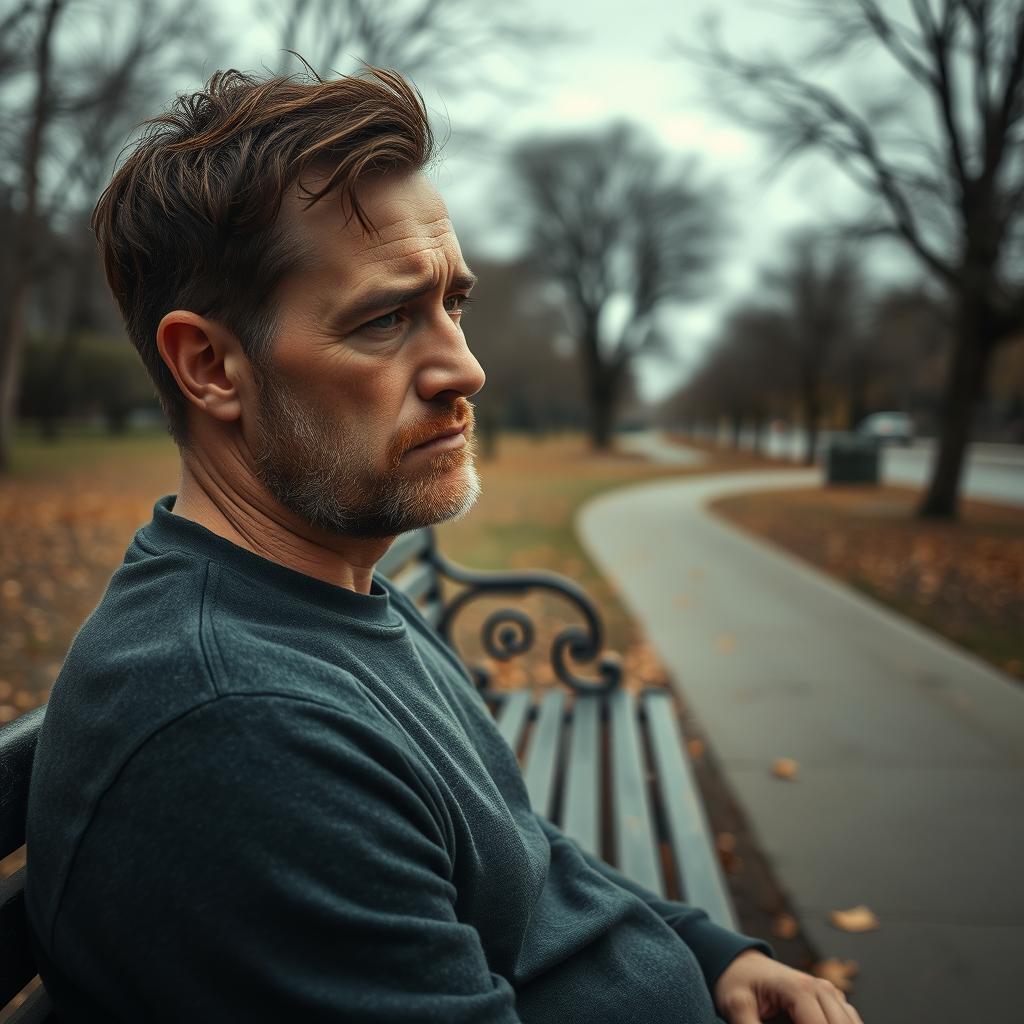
(754,986)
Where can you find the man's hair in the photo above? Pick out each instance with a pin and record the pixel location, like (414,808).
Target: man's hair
(190,220)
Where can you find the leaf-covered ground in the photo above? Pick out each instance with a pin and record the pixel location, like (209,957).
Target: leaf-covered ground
(964,580)
(68,513)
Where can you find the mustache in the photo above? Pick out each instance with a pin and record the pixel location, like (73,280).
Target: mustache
(460,416)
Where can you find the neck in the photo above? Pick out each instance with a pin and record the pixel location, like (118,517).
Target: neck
(247,515)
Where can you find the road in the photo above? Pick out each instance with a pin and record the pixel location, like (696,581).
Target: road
(992,471)
(995,472)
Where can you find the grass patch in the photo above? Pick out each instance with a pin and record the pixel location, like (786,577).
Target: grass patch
(965,580)
(81,449)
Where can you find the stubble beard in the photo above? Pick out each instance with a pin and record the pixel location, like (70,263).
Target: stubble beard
(330,480)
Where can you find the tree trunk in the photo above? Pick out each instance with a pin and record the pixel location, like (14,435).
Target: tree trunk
(811,412)
(737,430)
(602,415)
(487,427)
(756,444)
(59,398)
(857,408)
(965,383)
(12,331)
(602,388)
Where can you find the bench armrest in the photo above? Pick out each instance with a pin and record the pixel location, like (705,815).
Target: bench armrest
(509,632)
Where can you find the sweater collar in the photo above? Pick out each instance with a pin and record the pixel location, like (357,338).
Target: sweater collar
(169,532)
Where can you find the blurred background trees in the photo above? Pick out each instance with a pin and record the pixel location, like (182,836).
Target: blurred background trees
(420,38)
(75,78)
(595,235)
(624,232)
(939,155)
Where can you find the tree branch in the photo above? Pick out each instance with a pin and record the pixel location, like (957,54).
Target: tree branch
(884,29)
(938,39)
(817,112)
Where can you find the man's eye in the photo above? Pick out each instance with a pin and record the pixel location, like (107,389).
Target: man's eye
(457,303)
(383,323)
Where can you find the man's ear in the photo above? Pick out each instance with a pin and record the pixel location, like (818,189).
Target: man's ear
(207,362)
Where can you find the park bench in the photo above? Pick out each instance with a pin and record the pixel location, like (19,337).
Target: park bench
(607,766)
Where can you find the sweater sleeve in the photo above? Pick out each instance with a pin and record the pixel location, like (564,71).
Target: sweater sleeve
(713,946)
(284,861)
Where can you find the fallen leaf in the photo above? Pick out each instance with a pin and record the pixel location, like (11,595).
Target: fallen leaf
(839,972)
(785,926)
(695,748)
(786,768)
(856,919)
(725,843)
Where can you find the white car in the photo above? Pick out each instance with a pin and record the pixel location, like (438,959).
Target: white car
(888,427)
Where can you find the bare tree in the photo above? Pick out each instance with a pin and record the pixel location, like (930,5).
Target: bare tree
(118,87)
(437,39)
(12,329)
(818,292)
(616,225)
(951,190)
(85,103)
(514,326)
(747,370)
(899,360)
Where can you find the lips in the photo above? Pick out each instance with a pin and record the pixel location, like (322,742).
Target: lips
(444,433)
(441,439)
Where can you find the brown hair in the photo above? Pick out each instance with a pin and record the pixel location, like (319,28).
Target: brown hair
(189,221)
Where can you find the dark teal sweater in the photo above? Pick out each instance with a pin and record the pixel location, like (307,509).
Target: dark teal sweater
(259,797)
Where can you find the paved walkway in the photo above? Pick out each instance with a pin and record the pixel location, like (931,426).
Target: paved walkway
(910,796)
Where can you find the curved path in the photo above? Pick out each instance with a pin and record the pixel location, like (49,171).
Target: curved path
(910,794)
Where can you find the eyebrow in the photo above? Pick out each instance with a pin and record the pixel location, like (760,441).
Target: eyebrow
(390,298)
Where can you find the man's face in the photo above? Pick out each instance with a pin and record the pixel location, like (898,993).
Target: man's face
(369,366)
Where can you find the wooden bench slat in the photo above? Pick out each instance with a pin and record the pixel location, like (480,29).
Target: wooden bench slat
(405,548)
(16,966)
(511,717)
(635,851)
(542,756)
(580,819)
(37,1009)
(19,748)
(690,835)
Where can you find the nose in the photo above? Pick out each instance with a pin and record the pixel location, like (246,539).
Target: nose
(450,370)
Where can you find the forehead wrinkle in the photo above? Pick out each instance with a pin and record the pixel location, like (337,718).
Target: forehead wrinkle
(433,230)
(402,250)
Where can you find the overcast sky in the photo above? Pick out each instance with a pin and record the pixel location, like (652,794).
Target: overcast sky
(617,63)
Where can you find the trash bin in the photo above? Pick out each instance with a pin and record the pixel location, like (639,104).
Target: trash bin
(851,459)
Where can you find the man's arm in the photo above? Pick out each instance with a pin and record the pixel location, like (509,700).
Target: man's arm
(745,988)
(713,946)
(271,859)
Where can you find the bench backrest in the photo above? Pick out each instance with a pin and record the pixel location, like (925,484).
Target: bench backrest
(17,747)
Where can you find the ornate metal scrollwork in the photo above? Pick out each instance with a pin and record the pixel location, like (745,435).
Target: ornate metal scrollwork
(510,632)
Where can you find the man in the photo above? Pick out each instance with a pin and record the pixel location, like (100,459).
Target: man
(264,789)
